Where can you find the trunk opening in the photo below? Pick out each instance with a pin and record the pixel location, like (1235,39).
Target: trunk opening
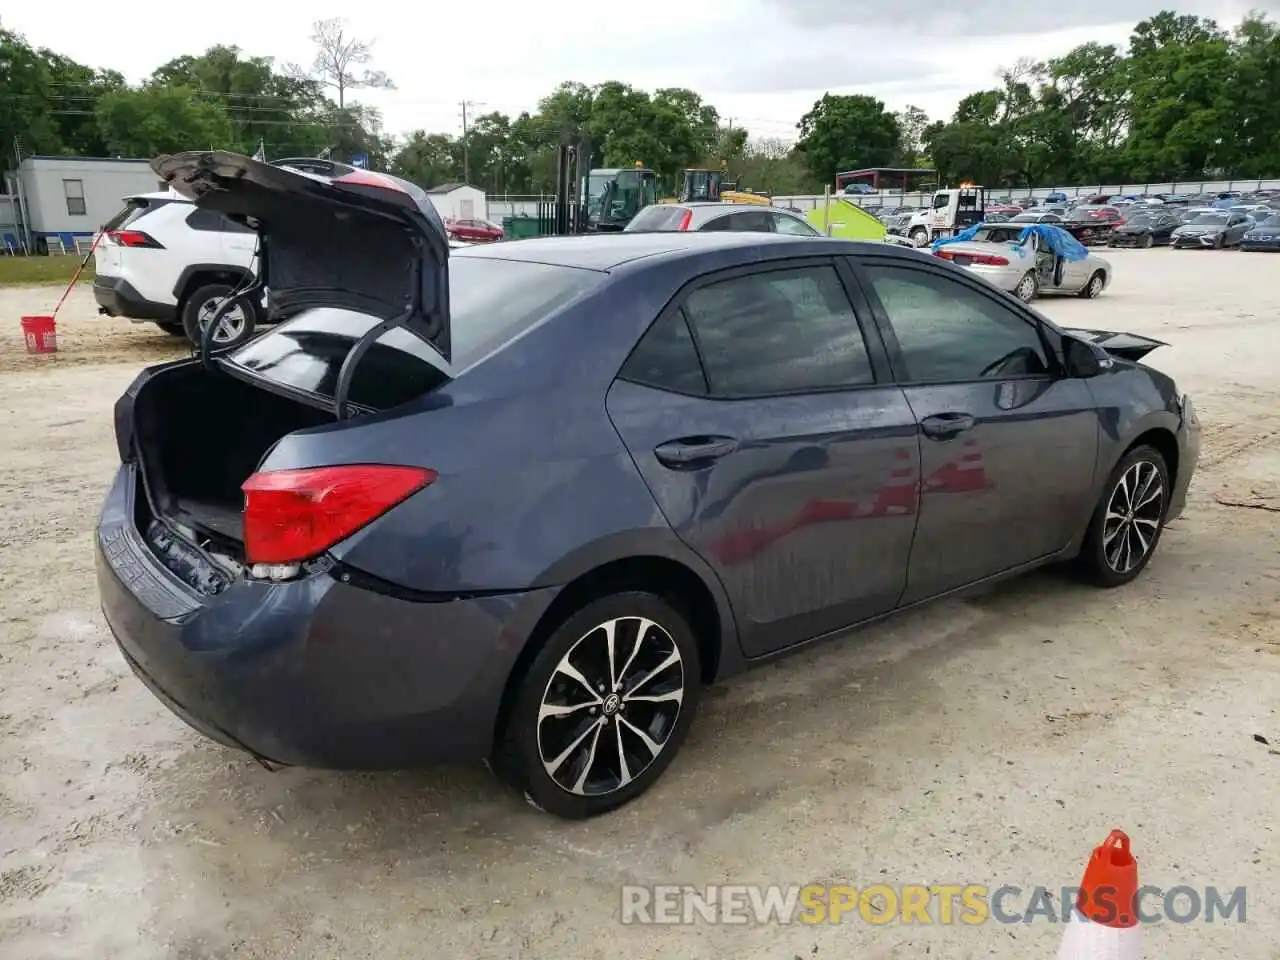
(199,434)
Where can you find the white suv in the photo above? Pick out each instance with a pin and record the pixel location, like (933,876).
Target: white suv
(163,260)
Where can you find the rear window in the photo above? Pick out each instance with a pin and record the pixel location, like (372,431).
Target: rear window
(661,216)
(491,303)
(134,208)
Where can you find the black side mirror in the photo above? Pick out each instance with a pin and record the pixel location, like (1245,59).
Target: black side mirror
(1083,359)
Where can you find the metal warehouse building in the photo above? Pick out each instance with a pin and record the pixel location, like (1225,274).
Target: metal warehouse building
(68,197)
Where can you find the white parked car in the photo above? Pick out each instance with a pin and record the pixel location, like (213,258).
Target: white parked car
(164,261)
(1026,267)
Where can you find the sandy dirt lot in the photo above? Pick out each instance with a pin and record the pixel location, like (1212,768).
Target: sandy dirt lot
(989,741)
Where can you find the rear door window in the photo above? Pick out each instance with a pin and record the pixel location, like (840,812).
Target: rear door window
(492,302)
(778,332)
(754,221)
(134,208)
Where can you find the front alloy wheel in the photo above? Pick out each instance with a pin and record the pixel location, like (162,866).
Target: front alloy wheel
(603,707)
(1127,523)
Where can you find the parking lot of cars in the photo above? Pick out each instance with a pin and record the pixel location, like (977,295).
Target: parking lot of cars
(988,740)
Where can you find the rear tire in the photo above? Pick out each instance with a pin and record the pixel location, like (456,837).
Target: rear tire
(1093,289)
(1126,525)
(561,742)
(1028,287)
(200,303)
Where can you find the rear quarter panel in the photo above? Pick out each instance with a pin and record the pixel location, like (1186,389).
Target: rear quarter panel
(535,486)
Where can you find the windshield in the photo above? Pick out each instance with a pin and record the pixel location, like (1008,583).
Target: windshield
(1140,220)
(1270,221)
(491,302)
(1205,219)
(594,192)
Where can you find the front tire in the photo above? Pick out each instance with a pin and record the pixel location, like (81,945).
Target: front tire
(1127,523)
(1148,241)
(236,328)
(603,708)
(919,237)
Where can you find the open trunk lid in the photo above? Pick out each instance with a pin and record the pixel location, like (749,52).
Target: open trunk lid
(1126,346)
(360,240)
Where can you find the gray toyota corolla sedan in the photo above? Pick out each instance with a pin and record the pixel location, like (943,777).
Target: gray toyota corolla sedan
(521,502)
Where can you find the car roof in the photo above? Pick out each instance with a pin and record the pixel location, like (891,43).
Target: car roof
(607,251)
(171,195)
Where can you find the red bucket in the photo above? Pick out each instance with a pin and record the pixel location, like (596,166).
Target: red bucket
(41,334)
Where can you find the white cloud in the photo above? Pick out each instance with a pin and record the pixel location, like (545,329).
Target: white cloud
(761,62)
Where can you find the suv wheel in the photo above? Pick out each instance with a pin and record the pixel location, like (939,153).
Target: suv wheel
(603,708)
(236,327)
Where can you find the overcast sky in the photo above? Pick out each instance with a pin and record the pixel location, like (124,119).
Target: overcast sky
(761,62)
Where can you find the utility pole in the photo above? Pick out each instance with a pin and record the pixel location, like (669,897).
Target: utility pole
(466,142)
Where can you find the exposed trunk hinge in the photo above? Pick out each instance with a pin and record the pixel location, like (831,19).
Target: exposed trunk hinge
(362,346)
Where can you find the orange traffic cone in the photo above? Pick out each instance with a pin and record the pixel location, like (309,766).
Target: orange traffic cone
(1104,923)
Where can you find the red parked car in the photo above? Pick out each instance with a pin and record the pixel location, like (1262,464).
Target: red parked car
(472,231)
(1092,224)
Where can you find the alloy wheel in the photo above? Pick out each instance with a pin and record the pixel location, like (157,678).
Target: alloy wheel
(1095,285)
(1026,288)
(1133,516)
(610,706)
(232,324)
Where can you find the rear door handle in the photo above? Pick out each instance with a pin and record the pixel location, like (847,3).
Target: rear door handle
(694,450)
(944,426)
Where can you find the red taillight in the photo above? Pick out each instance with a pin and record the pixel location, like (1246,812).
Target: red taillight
(133,238)
(982,260)
(685,219)
(293,515)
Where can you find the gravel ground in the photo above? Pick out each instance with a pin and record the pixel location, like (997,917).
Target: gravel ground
(990,741)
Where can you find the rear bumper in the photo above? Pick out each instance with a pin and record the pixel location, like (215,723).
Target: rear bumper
(118,298)
(314,672)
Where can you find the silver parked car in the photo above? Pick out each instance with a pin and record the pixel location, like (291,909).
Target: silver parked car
(1024,265)
(1213,230)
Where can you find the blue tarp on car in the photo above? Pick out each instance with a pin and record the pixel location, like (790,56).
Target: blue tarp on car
(1054,238)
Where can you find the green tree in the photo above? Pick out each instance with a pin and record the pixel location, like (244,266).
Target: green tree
(29,106)
(158,119)
(288,114)
(848,133)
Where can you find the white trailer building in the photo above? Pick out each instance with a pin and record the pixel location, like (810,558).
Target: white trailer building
(71,197)
(458,201)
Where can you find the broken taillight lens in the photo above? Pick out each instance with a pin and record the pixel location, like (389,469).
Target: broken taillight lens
(295,515)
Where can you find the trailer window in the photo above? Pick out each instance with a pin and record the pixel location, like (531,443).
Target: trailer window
(73,190)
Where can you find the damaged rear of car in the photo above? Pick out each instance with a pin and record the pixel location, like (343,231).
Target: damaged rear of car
(229,547)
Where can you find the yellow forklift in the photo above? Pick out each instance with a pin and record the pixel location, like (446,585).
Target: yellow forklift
(706,184)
